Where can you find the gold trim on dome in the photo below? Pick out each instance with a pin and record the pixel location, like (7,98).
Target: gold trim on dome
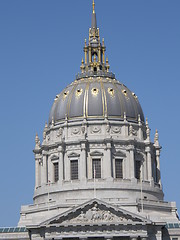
(104,101)
(111,92)
(121,101)
(86,96)
(69,100)
(94,91)
(79,91)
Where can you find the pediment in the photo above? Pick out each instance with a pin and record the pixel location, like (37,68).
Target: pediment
(54,157)
(95,212)
(119,154)
(73,154)
(96,153)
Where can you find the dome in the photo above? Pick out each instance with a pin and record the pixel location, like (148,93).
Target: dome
(95,93)
(96,97)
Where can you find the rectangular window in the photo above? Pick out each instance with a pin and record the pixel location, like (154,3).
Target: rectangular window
(96,168)
(119,168)
(138,170)
(74,169)
(56,172)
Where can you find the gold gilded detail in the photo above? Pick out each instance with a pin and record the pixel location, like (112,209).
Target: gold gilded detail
(95,91)
(79,92)
(93,7)
(111,92)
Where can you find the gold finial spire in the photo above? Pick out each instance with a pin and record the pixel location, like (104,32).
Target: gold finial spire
(93,7)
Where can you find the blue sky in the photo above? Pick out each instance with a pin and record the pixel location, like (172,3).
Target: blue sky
(41,46)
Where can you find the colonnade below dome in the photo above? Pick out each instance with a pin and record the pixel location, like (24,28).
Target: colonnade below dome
(106,155)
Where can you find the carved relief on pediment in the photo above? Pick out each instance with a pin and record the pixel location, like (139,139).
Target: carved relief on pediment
(96,215)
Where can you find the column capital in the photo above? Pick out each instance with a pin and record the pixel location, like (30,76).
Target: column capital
(83,145)
(147,149)
(44,152)
(38,157)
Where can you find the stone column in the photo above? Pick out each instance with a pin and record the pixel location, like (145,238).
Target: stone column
(83,162)
(37,172)
(158,166)
(67,167)
(131,161)
(50,171)
(149,163)
(145,169)
(107,161)
(44,170)
(61,164)
(159,234)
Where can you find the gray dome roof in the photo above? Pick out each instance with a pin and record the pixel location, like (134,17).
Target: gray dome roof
(94,98)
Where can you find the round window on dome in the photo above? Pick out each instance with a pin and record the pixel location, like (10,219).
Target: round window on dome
(111,91)
(65,94)
(95,91)
(79,92)
(125,92)
(134,95)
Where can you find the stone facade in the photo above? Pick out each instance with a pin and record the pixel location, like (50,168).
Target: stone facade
(97,172)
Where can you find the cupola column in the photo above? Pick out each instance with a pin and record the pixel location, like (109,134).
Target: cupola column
(90,56)
(85,52)
(99,54)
